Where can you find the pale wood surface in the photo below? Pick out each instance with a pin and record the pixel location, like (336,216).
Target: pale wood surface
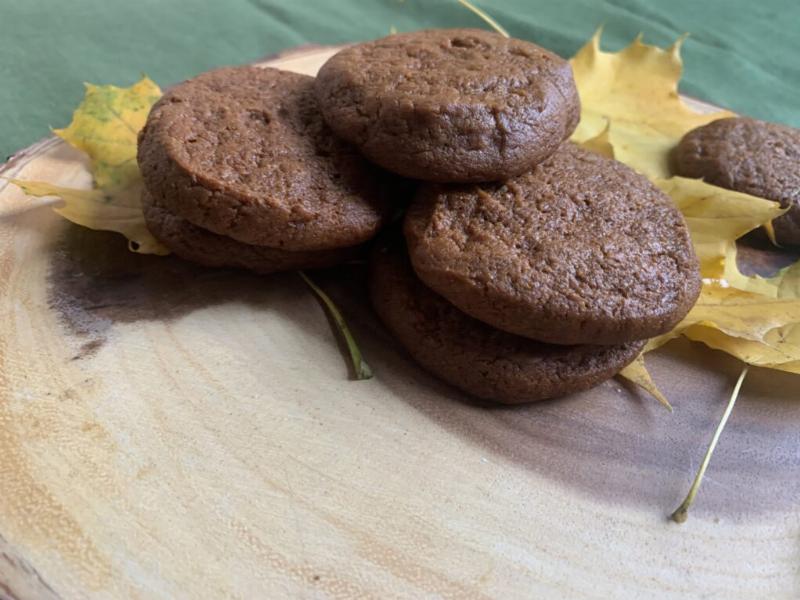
(168,431)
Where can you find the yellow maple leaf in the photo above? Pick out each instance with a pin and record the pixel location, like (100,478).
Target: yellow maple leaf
(783,357)
(716,218)
(788,282)
(637,373)
(741,314)
(600,144)
(634,93)
(758,329)
(95,209)
(786,337)
(105,126)
(631,111)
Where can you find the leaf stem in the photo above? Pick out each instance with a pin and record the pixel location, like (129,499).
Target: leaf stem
(682,512)
(360,367)
(483,15)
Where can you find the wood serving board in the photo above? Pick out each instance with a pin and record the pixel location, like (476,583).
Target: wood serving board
(170,431)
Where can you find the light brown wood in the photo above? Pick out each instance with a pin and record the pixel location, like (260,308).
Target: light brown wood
(169,431)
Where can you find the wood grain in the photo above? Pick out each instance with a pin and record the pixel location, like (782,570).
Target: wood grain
(18,579)
(170,431)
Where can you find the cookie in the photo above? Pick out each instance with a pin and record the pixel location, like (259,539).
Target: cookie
(750,156)
(580,250)
(450,105)
(203,247)
(243,152)
(474,357)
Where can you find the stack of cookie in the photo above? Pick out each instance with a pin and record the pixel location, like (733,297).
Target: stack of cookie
(240,170)
(530,267)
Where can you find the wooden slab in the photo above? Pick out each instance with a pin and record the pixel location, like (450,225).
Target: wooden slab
(169,431)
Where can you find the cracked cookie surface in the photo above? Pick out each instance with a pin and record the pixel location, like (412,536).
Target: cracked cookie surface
(581,249)
(450,104)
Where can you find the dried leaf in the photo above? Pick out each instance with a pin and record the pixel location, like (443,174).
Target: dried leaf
(741,314)
(637,373)
(600,144)
(96,209)
(716,219)
(789,285)
(786,339)
(105,127)
(781,356)
(757,329)
(635,93)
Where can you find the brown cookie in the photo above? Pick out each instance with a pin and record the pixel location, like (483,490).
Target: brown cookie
(243,152)
(750,156)
(450,104)
(579,250)
(201,246)
(479,359)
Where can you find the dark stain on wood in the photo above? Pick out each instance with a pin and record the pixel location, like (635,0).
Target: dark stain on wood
(94,281)
(612,443)
(618,444)
(89,348)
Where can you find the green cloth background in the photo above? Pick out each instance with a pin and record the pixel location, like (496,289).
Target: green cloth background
(741,54)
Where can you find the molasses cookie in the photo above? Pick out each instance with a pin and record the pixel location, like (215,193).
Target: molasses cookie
(479,359)
(750,156)
(204,247)
(450,104)
(243,152)
(580,250)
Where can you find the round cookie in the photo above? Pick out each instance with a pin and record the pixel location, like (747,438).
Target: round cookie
(750,156)
(479,359)
(580,250)
(201,246)
(450,105)
(243,152)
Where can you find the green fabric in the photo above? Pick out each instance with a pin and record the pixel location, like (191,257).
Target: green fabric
(740,54)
